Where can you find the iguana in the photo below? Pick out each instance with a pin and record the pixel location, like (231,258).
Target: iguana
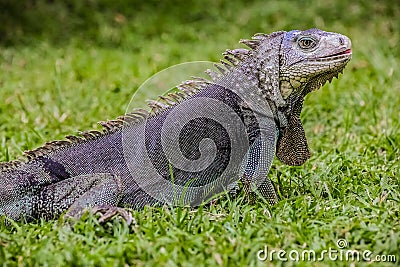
(193,143)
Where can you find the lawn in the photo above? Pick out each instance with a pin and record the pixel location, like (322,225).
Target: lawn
(63,67)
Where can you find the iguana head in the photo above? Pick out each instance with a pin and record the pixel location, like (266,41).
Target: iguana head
(307,60)
(310,58)
(289,65)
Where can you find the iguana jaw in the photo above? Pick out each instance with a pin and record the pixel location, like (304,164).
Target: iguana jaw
(326,66)
(344,55)
(336,62)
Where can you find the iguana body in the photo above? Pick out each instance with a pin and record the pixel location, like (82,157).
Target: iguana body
(253,104)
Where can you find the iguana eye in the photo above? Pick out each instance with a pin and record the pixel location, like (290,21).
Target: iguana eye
(306,42)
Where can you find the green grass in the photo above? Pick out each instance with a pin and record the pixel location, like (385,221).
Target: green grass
(65,67)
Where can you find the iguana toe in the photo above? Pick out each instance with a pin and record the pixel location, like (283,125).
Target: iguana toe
(108,212)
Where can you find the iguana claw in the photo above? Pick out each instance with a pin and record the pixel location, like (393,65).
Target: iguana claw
(107,212)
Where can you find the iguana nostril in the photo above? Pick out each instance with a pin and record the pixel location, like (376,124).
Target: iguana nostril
(341,41)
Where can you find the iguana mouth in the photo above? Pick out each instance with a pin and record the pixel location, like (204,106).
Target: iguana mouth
(343,54)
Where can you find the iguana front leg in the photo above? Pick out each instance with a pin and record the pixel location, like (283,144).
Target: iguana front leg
(78,193)
(255,168)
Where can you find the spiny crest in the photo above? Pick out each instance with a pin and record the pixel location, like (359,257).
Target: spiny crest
(236,56)
(185,90)
(11,165)
(90,135)
(232,59)
(136,116)
(45,149)
(256,40)
(111,126)
(213,74)
(240,53)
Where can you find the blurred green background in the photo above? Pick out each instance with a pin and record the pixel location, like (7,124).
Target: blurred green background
(64,65)
(126,24)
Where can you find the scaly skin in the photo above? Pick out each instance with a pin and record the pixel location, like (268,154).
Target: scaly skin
(263,88)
